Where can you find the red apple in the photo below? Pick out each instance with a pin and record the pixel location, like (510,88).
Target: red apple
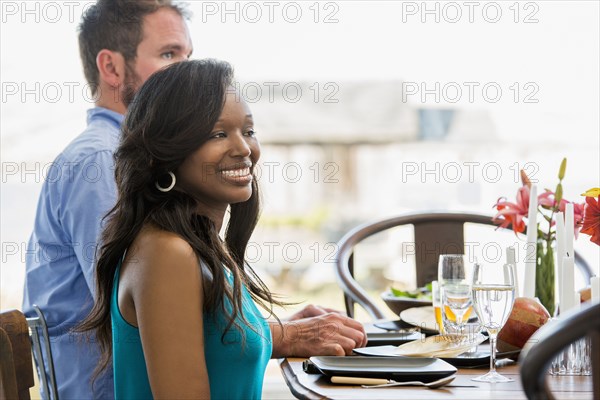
(525,318)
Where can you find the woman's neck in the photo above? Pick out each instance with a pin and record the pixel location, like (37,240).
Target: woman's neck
(215,215)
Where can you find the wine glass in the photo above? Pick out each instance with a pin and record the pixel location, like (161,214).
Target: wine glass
(455,288)
(493,297)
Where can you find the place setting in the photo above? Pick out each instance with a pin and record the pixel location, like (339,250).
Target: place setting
(453,318)
(470,303)
(464,322)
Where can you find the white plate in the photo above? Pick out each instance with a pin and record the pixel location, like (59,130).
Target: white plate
(423,317)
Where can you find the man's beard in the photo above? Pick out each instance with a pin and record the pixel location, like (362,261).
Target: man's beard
(132,83)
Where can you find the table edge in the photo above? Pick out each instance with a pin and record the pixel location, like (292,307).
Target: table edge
(288,374)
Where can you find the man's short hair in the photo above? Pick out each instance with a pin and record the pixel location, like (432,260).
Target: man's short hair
(115,25)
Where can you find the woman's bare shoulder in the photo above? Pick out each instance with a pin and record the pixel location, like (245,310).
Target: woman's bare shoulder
(160,253)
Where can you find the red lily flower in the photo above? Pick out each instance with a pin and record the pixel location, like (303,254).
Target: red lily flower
(547,199)
(511,214)
(591,219)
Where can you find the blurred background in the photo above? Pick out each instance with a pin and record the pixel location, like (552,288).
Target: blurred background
(364,110)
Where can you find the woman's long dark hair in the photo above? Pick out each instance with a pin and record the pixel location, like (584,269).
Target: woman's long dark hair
(172,115)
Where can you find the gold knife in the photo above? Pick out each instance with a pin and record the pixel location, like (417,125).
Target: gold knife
(349,380)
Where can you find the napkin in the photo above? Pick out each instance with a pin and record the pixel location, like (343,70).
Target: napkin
(441,346)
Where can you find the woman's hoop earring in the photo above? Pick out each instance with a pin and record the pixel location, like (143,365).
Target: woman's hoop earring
(171,186)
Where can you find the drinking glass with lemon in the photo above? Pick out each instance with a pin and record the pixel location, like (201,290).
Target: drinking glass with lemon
(455,303)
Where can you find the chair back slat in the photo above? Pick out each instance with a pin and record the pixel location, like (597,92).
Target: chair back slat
(43,359)
(37,351)
(433,238)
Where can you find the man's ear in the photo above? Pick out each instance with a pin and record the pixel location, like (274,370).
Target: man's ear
(111,67)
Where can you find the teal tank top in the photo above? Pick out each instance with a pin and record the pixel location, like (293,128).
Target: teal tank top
(235,367)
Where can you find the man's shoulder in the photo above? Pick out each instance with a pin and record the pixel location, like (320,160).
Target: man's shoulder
(99,138)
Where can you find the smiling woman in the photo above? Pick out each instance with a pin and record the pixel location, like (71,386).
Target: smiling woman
(182,297)
(219,172)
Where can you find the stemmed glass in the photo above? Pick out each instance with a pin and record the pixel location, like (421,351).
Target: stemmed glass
(455,288)
(493,297)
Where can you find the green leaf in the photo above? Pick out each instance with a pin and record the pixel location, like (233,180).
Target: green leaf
(423,293)
(562,169)
(403,293)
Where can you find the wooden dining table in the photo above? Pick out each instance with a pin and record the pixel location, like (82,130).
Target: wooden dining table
(317,386)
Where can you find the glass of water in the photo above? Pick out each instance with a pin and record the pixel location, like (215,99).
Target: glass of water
(455,288)
(493,293)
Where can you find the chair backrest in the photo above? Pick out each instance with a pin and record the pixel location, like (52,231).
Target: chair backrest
(45,364)
(550,340)
(16,375)
(434,233)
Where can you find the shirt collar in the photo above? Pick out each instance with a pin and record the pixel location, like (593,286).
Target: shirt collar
(104,113)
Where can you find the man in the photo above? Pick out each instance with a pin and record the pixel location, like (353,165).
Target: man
(122,43)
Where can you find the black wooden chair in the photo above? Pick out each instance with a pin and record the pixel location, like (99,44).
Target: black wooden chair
(16,371)
(434,233)
(550,340)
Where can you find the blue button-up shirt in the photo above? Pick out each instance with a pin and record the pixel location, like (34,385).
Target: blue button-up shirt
(78,192)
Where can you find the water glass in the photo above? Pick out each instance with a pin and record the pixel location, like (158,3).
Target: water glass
(575,359)
(455,292)
(493,297)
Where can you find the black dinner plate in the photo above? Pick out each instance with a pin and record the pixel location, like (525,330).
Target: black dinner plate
(397,368)
(392,338)
(398,324)
(395,325)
